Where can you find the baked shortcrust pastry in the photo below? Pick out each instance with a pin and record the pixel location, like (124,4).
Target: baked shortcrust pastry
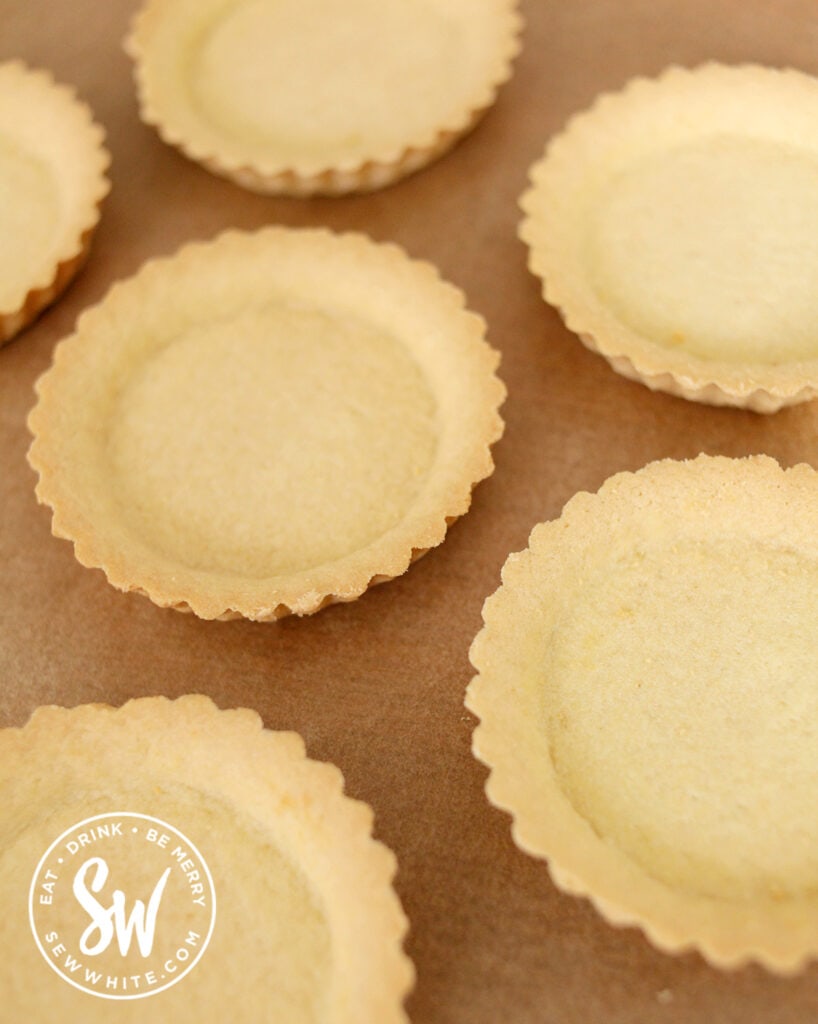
(648,694)
(256,863)
(674,226)
(52,180)
(266,423)
(284,96)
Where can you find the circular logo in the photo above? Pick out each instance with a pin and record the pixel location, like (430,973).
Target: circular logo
(122,905)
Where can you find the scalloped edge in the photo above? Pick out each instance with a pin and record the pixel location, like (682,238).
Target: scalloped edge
(308,178)
(161,582)
(74,251)
(579,862)
(231,753)
(757,387)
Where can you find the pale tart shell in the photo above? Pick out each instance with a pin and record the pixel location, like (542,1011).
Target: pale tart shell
(207,771)
(653,119)
(165,43)
(45,129)
(648,706)
(411,414)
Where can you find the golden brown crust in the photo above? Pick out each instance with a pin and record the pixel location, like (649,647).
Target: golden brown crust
(707,102)
(536,691)
(33,94)
(309,174)
(227,759)
(426,314)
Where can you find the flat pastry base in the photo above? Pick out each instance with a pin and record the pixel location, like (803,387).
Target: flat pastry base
(266,424)
(312,98)
(52,179)
(649,708)
(307,926)
(674,225)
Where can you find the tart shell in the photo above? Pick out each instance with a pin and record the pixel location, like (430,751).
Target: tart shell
(188,761)
(620,134)
(425,453)
(163,104)
(626,668)
(52,127)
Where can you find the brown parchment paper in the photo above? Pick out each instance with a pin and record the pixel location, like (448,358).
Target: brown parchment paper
(377,686)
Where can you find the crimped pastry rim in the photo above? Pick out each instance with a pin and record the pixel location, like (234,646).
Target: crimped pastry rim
(762,387)
(39,86)
(170,584)
(311,175)
(510,741)
(267,776)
